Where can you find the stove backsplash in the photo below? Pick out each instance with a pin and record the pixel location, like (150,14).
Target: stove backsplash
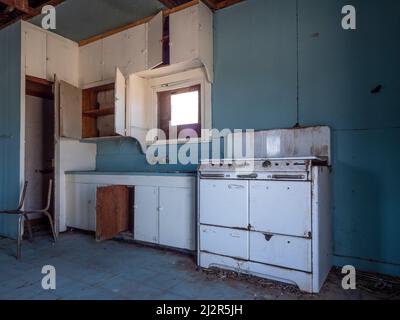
(282,143)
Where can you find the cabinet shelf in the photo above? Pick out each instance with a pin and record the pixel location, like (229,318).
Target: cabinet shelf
(99,112)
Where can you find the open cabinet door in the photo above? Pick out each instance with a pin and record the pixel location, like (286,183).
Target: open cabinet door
(70,111)
(112,212)
(155,43)
(120,103)
(137,115)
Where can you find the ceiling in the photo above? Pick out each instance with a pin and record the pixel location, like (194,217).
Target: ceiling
(81,19)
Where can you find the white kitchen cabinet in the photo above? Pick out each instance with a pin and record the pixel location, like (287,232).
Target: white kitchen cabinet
(154,41)
(270,210)
(177,219)
(146,214)
(35,52)
(191,36)
(165,216)
(91,63)
(125,50)
(81,206)
(62,59)
(224,203)
(81,110)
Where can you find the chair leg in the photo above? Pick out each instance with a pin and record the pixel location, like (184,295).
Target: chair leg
(28,223)
(51,225)
(19,236)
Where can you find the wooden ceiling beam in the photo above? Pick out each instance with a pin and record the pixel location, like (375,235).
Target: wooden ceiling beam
(20,5)
(26,16)
(227,3)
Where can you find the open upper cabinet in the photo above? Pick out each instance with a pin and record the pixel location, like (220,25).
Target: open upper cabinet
(165,45)
(101,111)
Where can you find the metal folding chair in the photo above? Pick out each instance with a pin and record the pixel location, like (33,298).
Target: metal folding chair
(24,216)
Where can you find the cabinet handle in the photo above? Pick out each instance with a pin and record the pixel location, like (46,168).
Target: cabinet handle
(248,176)
(268,236)
(235,186)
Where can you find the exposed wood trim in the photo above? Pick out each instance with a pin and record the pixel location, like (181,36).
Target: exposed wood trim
(227,3)
(212,4)
(39,80)
(166,13)
(168,3)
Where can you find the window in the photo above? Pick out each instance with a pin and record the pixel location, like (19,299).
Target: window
(179,110)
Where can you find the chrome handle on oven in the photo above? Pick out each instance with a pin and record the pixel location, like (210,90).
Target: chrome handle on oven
(248,176)
(212,175)
(288,176)
(235,186)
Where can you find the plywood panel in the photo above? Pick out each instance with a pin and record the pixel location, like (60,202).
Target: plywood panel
(112,212)
(35,53)
(154,41)
(70,111)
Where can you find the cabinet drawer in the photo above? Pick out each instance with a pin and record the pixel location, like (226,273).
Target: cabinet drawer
(284,251)
(228,242)
(224,203)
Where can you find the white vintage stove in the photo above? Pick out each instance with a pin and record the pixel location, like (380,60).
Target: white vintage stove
(270,217)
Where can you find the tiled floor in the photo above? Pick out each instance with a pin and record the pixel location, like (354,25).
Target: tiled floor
(115,270)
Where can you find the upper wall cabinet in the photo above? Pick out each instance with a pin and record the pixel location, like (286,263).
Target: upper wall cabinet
(126,50)
(91,63)
(62,59)
(35,52)
(47,54)
(191,37)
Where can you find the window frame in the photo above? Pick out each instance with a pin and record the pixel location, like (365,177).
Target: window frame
(180,81)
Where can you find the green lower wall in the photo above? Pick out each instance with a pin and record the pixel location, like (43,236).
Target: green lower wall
(10,89)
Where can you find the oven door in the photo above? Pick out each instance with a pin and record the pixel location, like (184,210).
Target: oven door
(281,207)
(224,203)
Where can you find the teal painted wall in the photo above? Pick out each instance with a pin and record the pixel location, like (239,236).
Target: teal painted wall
(255,87)
(10,88)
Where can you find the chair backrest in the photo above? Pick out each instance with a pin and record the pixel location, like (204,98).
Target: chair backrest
(23,196)
(49,195)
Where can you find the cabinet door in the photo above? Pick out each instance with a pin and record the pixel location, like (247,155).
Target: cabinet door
(125,50)
(282,207)
(136,45)
(224,203)
(137,115)
(91,63)
(154,42)
(146,214)
(120,103)
(62,60)
(184,32)
(177,218)
(114,55)
(70,111)
(112,211)
(35,53)
(80,205)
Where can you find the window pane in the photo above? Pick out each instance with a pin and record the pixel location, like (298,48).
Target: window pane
(184,108)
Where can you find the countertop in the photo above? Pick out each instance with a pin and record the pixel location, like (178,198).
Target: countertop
(102,173)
